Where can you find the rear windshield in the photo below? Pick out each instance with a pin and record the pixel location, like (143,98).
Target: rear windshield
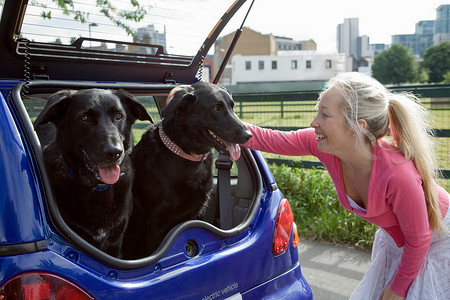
(180,26)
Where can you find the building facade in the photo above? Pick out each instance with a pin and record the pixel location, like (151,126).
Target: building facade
(442,24)
(420,40)
(427,33)
(255,44)
(148,35)
(347,35)
(295,65)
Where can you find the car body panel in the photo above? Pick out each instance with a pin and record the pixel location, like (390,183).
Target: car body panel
(18,186)
(236,263)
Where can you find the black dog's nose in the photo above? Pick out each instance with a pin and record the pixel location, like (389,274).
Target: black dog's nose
(113,152)
(247,134)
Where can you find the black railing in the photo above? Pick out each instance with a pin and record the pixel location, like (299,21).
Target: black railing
(280,110)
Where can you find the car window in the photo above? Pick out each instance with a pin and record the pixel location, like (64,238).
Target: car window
(180,26)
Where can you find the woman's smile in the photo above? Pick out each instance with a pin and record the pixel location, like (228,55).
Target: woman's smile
(320,137)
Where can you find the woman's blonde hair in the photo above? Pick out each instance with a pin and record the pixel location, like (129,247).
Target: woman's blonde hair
(367,99)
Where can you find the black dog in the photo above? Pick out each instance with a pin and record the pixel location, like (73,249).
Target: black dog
(173,163)
(87,163)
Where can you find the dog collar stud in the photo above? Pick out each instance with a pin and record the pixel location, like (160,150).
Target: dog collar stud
(177,150)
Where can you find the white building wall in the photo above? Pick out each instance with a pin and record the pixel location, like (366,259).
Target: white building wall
(320,68)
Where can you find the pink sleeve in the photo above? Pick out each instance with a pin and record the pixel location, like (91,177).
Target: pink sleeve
(294,143)
(405,194)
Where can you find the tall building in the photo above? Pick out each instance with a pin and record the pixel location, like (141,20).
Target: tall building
(428,33)
(418,41)
(442,24)
(364,46)
(149,35)
(347,37)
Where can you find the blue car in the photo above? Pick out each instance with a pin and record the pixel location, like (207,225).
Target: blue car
(50,45)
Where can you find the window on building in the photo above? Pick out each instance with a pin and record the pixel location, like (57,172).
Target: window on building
(294,65)
(274,64)
(308,64)
(248,65)
(328,64)
(261,65)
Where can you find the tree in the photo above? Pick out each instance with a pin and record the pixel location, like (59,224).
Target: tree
(114,14)
(396,65)
(446,77)
(436,58)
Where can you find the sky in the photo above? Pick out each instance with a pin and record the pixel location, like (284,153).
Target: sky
(298,19)
(318,19)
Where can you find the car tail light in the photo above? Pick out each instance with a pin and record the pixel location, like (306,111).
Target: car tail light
(295,239)
(41,286)
(283,228)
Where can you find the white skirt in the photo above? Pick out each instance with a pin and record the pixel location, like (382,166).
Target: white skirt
(433,280)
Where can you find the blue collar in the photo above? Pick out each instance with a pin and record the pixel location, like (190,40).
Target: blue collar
(99,188)
(104,186)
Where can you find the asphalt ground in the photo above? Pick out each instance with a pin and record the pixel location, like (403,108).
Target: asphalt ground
(332,271)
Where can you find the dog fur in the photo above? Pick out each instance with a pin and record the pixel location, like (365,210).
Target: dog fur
(86,159)
(169,189)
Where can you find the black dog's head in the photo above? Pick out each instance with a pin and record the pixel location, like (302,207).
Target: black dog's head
(201,116)
(93,127)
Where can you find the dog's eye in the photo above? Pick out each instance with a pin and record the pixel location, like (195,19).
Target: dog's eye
(84,118)
(119,116)
(218,106)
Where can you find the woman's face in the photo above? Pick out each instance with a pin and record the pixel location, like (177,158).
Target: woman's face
(332,133)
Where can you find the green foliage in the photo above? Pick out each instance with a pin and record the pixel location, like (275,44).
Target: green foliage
(114,14)
(423,75)
(396,65)
(317,211)
(436,58)
(446,77)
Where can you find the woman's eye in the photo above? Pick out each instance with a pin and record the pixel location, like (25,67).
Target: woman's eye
(119,116)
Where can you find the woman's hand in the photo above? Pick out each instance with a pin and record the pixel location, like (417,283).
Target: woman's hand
(388,294)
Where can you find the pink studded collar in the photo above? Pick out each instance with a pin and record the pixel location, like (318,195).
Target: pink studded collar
(176,149)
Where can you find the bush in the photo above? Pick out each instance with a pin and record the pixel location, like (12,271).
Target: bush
(317,211)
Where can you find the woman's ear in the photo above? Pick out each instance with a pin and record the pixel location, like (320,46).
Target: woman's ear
(362,124)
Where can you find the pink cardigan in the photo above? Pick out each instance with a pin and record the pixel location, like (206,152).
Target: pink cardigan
(396,200)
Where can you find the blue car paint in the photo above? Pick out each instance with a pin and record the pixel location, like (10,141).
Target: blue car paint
(21,220)
(224,266)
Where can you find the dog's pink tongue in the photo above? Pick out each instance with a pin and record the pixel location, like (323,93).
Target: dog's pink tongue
(110,174)
(234,150)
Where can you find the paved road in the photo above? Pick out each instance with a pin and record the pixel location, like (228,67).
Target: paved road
(332,271)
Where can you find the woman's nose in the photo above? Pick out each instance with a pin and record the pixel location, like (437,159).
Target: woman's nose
(314,123)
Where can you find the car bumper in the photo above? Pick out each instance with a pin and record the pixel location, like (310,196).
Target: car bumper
(289,285)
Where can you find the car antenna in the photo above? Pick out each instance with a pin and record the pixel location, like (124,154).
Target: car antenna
(231,48)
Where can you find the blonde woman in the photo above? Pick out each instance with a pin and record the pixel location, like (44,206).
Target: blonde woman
(390,182)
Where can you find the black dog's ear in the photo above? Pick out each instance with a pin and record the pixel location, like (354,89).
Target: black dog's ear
(180,103)
(137,110)
(55,108)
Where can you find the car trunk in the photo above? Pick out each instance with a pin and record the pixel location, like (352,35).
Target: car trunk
(38,69)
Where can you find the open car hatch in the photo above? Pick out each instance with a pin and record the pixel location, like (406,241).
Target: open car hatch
(159,48)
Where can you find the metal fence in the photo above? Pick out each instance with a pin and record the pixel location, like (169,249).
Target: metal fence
(293,110)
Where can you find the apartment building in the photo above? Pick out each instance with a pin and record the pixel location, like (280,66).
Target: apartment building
(294,65)
(252,44)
